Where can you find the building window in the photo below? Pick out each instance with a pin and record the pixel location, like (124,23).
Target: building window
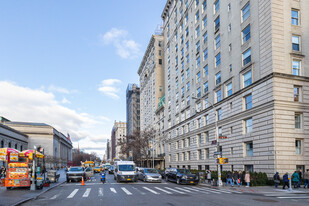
(198,47)
(295,43)
(198,92)
(206,136)
(217,24)
(216,6)
(189,155)
(229,7)
(295,17)
(296,67)
(219,96)
(297,93)
(199,137)
(160,61)
(198,62)
(247,78)
(206,87)
(198,77)
(297,120)
(220,134)
(218,78)
(9,145)
(207,153)
(229,89)
(197,16)
(188,142)
(219,114)
(205,37)
(298,146)
(188,73)
(230,47)
(188,101)
(207,120)
(246,56)
(218,59)
(188,86)
(205,54)
(245,12)
(248,101)
(206,70)
(204,22)
(197,32)
(249,149)
(199,154)
(204,5)
(246,34)
(177,157)
(217,42)
(229,27)
(248,125)
(183,156)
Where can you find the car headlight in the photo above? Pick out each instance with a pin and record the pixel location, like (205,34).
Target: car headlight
(184,177)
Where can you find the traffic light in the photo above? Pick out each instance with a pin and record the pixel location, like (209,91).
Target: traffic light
(222,160)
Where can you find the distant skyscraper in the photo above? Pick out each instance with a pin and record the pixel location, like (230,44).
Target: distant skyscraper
(133,109)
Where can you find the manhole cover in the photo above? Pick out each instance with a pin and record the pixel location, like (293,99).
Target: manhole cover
(265,200)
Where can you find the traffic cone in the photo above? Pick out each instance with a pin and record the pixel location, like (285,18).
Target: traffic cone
(83,183)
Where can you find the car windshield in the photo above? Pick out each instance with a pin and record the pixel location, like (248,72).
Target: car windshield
(76,169)
(111,167)
(126,168)
(97,167)
(184,171)
(151,171)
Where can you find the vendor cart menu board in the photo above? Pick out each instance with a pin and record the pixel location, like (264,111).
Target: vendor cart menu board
(2,155)
(13,157)
(17,170)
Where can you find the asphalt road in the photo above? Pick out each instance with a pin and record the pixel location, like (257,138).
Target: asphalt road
(140,193)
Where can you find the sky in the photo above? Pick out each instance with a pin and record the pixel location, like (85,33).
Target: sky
(68,63)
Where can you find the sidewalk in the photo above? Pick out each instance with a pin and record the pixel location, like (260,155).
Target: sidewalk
(18,195)
(259,189)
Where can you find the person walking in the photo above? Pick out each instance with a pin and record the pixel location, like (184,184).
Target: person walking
(235,178)
(247,178)
(3,172)
(240,178)
(295,179)
(276,179)
(285,181)
(229,179)
(209,176)
(300,178)
(306,177)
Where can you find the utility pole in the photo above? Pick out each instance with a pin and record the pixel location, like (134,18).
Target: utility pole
(153,152)
(33,176)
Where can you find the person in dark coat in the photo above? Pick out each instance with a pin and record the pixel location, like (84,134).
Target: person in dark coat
(300,178)
(295,179)
(276,179)
(235,178)
(229,179)
(286,181)
(240,177)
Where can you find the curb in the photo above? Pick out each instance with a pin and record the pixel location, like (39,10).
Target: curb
(31,198)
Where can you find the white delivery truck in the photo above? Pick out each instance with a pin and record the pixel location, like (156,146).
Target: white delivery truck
(124,171)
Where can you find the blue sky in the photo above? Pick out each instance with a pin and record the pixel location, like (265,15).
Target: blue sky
(68,63)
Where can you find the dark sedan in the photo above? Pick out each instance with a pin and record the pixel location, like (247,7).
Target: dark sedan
(181,176)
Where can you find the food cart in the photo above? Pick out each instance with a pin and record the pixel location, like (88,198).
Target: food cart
(17,174)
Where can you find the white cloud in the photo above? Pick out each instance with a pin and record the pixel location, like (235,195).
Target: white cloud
(125,47)
(65,101)
(35,105)
(108,87)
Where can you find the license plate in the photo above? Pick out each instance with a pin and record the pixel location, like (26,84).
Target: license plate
(191,182)
(128,179)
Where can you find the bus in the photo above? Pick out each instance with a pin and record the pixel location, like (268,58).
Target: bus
(88,164)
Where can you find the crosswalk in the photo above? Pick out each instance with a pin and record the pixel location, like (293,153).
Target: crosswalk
(154,190)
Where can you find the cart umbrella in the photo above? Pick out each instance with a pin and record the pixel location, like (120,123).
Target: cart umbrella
(4,153)
(26,153)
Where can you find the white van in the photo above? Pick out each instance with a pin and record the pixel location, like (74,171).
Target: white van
(124,171)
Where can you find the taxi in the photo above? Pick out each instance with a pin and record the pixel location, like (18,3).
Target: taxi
(97,169)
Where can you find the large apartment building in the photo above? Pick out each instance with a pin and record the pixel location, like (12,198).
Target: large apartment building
(133,109)
(237,81)
(119,132)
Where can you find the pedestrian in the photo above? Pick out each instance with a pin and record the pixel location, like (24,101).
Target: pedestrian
(276,179)
(300,178)
(306,176)
(240,178)
(295,178)
(2,172)
(285,181)
(235,178)
(209,176)
(229,179)
(247,178)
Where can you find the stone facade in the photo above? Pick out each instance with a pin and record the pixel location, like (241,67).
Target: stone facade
(12,138)
(231,62)
(119,132)
(133,108)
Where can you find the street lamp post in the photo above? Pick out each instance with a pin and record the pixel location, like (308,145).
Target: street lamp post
(217,139)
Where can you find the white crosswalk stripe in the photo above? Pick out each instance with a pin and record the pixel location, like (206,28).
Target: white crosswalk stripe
(152,191)
(167,192)
(54,197)
(175,190)
(218,191)
(142,193)
(100,192)
(210,190)
(86,194)
(73,193)
(196,190)
(126,191)
(113,190)
(183,189)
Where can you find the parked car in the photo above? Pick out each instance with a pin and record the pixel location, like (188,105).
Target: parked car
(76,174)
(181,176)
(111,170)
(89,172)
(150,175)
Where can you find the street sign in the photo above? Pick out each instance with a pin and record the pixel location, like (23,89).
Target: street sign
(217,153)
(214,142)
(222,137)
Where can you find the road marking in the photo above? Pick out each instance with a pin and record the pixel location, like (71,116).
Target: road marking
(150,190)
(126,191)
(179,188)
(158,188)
(212,190)
(216,191)
(143,193)
(197,190)
(297,197)
(100,192)
(54,197)
(113,190)
(175,190)
(86,194)
(73,193)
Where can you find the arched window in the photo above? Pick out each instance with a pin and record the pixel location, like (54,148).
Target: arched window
(15,146)
(9,144)
(2,143)
(21,148)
